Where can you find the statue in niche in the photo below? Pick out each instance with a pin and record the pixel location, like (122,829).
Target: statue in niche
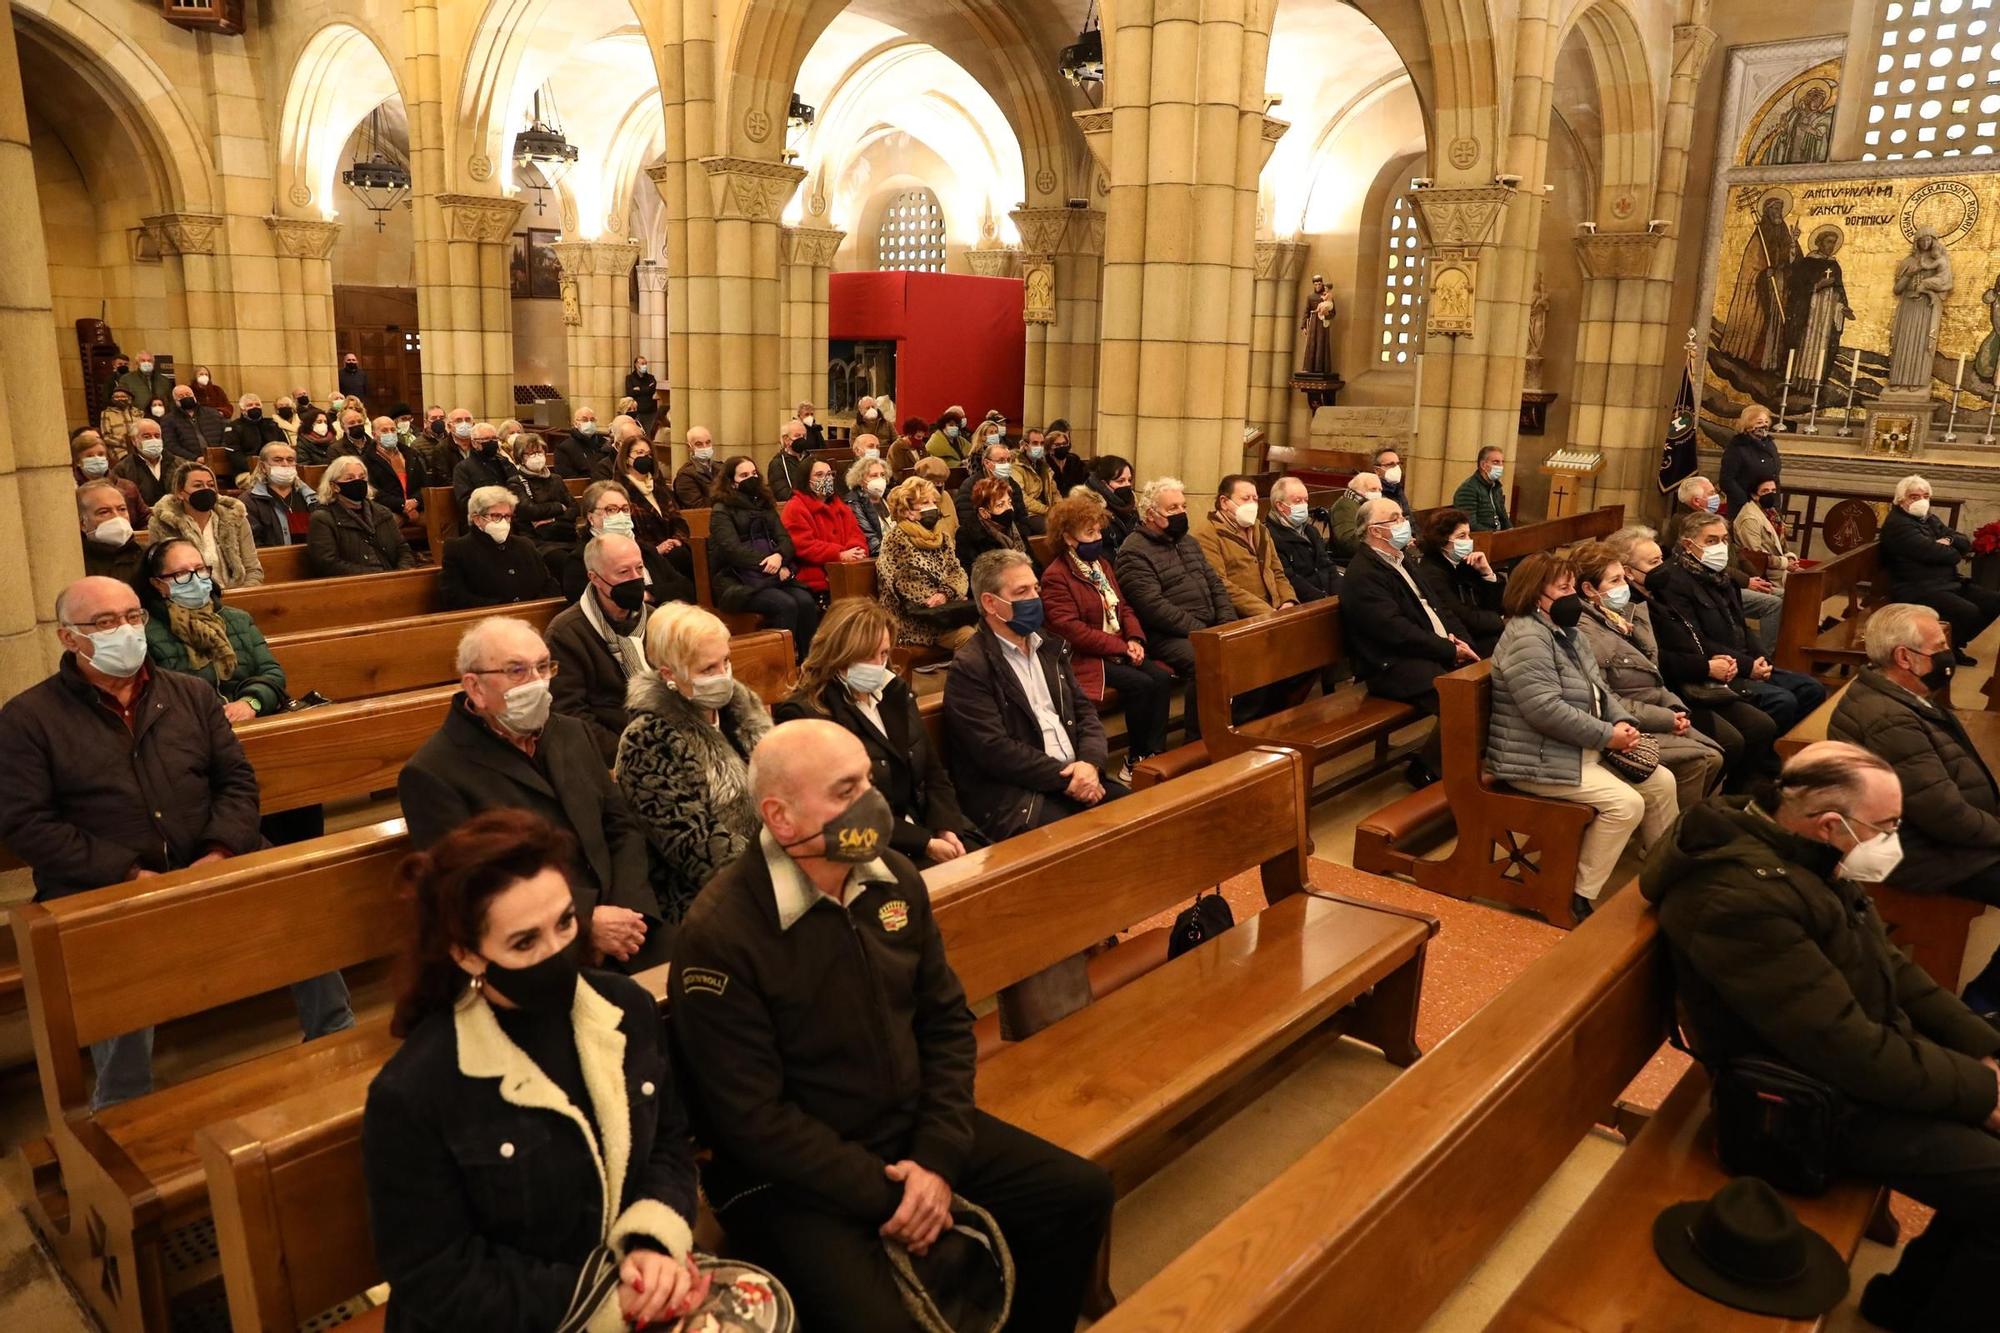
(1318,328)
(1923,281)
(1805,131)
(1986,365)
(1816,308)
(1755,327)
(1538,320)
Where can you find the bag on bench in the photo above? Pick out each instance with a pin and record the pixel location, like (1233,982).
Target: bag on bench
(1208,917)
(1777,1124)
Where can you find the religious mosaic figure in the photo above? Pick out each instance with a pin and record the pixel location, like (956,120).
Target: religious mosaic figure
(1816,308)
(1987,363)
(1805,131)
(1923,281)
(1755,331)
(1318,328)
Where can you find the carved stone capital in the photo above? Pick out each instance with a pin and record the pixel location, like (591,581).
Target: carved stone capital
(300,238)
(185,233)
(1096,127)
(1042,229)
(652,277)
(611,259)
(813,247)
(1272,130)
(750,188)
(1462,216)
(1280,259)
(1693,44)
(1617,254)
(996,262)
(479,217)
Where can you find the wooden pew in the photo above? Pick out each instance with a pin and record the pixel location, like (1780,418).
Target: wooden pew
(312,473)
(1859,576)
(354,599)
(851,580)
(1515,542)
(1395,1208)
(704,588)
(442,521)
(387,657)
(283,564)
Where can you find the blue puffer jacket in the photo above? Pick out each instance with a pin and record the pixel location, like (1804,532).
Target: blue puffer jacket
(1549,704)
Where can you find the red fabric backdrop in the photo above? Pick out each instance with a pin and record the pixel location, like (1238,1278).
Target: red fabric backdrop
(959,339)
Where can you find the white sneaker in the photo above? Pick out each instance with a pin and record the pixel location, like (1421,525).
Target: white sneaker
(1124,774)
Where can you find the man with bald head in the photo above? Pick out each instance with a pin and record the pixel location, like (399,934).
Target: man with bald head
(1780,956)
(119,772)
(694,484)
(1346,521)
(599,644)
(501,747)
(828,1051)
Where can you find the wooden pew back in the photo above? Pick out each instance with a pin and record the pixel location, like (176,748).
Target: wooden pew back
(1857,574)
(1245,655)
(355,599)
(359,661)
(283,564)
(1008,912)
(1550,534)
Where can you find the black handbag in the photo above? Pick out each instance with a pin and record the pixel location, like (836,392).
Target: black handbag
(1777,1124)
(1208,917)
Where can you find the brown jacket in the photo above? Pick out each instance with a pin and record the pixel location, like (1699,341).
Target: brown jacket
(1248,563)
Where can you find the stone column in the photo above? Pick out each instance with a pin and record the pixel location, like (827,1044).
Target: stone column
(196,295)
(596,296)
(1272,339)
(802,321)
(1190,139)
(466,303)
(1062,343)
(38,532)
(305,295)
(730,374)
(651,335)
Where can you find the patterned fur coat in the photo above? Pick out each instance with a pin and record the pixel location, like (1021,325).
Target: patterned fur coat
(689,783)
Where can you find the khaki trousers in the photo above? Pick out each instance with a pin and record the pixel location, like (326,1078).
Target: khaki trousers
(1621,806)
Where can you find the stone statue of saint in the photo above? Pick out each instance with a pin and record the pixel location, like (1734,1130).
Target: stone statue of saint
(1318,328)
(1538,320)
(1923,281)
(1986,365)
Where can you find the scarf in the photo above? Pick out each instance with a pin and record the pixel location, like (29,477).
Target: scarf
(206,638)
(630,648)
(1715,578)
(1094,572)
(928,539)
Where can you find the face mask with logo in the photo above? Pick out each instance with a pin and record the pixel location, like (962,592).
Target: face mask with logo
(284,474)
(525,708)
(1399,535)
(1618,598)
(1566,610)
(1024,616)
(876,487)
(118,652)
(96,465)
(865,677)
(1920,508)
(193,591)
(857,834)
(1461,547)
(1938,678)
(354,491)
(112,532)
(615,525)
(500,529)
(1716,556)
(1872,860)
(547,987)
(202,501)
(713,691)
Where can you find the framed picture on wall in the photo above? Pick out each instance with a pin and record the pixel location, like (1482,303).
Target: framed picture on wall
(544,273)
(517,268)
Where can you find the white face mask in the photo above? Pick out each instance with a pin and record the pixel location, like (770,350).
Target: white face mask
(284,476)
(1461,547)
(152,448)
(1872,860)
(145,367)
(1003,470)
(871,453)
(1392,475)
(1618,598)
(524,710)
(112,532)
(807,421)
(499,529)
(1245,514)
(462,429)
(876,486)
(536,463)
(1493,472)
(118,652)
(866,677)
(159,409)
(705,454)
(713,691)
(201,379)
(1920,508)
(1716,556)
(388,439)
(95,466)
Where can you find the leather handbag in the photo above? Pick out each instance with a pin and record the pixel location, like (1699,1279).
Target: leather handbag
(1206,918)
(1636,764)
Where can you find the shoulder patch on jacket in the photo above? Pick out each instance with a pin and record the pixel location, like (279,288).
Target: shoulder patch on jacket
(697,980)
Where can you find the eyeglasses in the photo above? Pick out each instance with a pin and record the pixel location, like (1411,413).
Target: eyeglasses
(111,620)
(1888,826)
(186,576)
(520,673)
(614,509)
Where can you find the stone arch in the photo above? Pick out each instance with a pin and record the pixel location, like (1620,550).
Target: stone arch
(634,144)
(1451,51)
(1626,101)
(172,149)
(342,73)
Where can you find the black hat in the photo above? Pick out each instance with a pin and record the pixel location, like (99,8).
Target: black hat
(966,1283)
(1746,1248)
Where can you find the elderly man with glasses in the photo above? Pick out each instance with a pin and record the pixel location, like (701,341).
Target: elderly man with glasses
(119,772)
(500,747)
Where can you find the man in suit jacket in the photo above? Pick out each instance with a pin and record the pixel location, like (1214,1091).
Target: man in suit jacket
(600,643)
(501,747)
(1400,641)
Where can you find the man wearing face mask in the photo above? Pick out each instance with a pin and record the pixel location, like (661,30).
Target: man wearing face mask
(1345,521)
(1900,708)
(997,461)
(110,548)
(1389,468)
(643,389)
(398,476)
(119,772)
(501,746)
(144,464)
(1780,955)
(583,448)
(116,421)
(1921,556)
(146,381)
(280,505)
(486,465)
(787,472)
(829,1055)
(1302,552)
(1171,585)
(1482,495)
(694,484)
(248,432)
(1762,601)
(191,427)
(1237,544)
(353,379)
(599,644)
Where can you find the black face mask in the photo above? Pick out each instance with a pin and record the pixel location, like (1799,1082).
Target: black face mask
(1566,610)
(1768,500)
(202,501)
(1121,494)
(547,987)
(930,518)
(287,413)
(187,406)
(643,465)
(1177,527)
(1938,679)
(630,595)
(357,433)
(435,426)
(488,448)
(751,488)
(1090,550)
(857,834)
(355,491)
(254,413)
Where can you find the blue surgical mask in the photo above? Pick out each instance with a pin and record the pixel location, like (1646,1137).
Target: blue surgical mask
(615,525)
(1298,514)
(194,591)
(865,677)
(1003,470)
(1714,502)
(1461,547)
(1399,535)
(1493,473)
(118,652)
(951,432)
(1026,617)
(1618,598)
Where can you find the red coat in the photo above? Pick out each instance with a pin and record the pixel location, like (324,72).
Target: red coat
(820,531)
(1073,611)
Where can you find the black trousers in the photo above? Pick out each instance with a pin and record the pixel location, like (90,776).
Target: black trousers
(1747,735)
(1177,653)
(1146,693)
(1052,1206)
(1059,807)
(788,606)
(1968,609)
(1945,1281)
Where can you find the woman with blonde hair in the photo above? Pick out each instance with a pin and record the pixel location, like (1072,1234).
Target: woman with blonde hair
(684,760)
(867,495)
(1749,458)
(917,574)
(846,679)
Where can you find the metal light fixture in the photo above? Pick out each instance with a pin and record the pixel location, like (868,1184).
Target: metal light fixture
(376,180)
(1083,62)
(543,147)
(799,115)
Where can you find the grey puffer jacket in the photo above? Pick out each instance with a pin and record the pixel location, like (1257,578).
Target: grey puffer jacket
(1549,704)
(1630,666)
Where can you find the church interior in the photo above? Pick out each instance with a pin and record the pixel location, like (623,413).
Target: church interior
(1555,257)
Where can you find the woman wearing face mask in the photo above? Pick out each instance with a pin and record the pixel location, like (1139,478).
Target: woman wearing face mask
(846,679)
(495,1210)
(1111,481)
(349,533)
(908,447)
(1554,719)
(822,527)
(1619,631)
(90,460)
(656,514)
(607,508)
(1921,556)
(1749,458)
(494,563)
(917,574)
(1067,469)
(995,526)
(1451,571)
(949,441)
(156,408)
(1760,526)
(315,438)
(217,524)
(684,760)
(545,509)
(286,413)
(192,632)
(210,394)
(752,564)
(867,498)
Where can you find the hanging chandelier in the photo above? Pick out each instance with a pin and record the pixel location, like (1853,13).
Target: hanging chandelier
(378,181)
(543,147)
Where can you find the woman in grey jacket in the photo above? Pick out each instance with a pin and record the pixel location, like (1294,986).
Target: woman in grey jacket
(1619,632)
(1553,719)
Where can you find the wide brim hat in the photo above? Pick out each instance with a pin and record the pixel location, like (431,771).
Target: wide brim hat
(1746,1248)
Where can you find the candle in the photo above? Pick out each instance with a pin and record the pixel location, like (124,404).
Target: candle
(1819,370)
(1959,379)
(1790,354)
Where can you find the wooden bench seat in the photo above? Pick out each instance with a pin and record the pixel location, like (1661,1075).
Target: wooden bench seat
(354,599)
(1510,545)
(1383,841)
(390,656)
(283,564)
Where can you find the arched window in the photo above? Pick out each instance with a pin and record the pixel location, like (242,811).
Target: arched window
(912,235)
(1402,285)
(1936,90)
